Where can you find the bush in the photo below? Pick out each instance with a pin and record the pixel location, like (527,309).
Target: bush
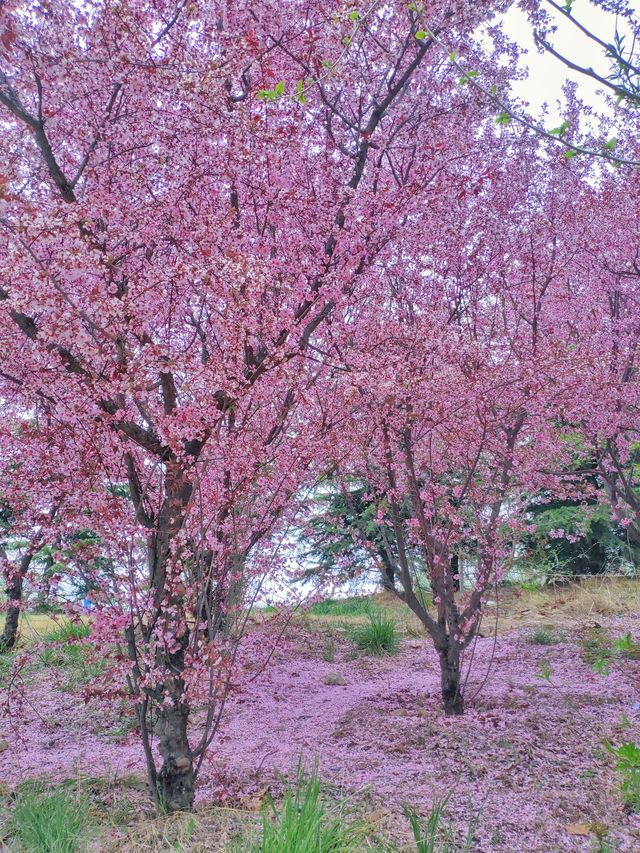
(303,825)
(379,636)
(48,821)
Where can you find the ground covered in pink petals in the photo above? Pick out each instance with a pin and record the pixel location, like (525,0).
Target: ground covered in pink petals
(527,757)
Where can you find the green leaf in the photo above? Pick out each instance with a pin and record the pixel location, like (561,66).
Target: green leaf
(279,90)
(421,35)
(355,16)
(346,41)
(611,144)
(466,77)
(453,56)
(571,153)
(300,95)
(503,118)
(568,5)
(561,130)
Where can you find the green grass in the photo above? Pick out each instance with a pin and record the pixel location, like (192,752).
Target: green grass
(544,636)
(433,835)
(303,824)
(360,606)
(67,632)
(63,649)
(48,821)
(378,636)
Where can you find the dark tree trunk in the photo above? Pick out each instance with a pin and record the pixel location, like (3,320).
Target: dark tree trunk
(175,781)
(388,571)
(455,572)
(452,698)
(9,635)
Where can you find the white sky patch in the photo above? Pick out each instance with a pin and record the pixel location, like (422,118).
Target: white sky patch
(547,75)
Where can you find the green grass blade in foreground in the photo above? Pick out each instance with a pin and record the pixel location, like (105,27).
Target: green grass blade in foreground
(303,824)
(48,821)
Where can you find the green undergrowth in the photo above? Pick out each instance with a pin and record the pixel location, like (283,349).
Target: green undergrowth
(358,606)
(303,823)
(545,635)
(379,635)
(67,632)
(115,816)
(49,821)
(433,834)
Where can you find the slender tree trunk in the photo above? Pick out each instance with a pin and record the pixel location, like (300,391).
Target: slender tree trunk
(452,698)
(9,635)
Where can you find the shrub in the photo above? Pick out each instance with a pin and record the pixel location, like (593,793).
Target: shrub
(302,825)
(379,636)
(48,821)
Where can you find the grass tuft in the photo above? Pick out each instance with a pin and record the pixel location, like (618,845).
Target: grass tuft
(45,821)
(303,825)
(67,632)
(329,649)
(433,835)
(544,636)
(379,636)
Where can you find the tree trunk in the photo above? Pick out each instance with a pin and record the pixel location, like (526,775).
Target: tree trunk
(175,782)
(14,594)
(452,698)
(388,571)
(12,616)
(455,572)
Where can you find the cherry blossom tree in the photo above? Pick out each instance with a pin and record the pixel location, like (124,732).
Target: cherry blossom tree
(194,199)
(457,383)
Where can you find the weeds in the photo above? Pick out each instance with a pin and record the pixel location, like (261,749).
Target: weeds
(68,632)
(433,835)
(63,649)
(544,636)
(48,821)
(379,636)
(628,765)
(303,825)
